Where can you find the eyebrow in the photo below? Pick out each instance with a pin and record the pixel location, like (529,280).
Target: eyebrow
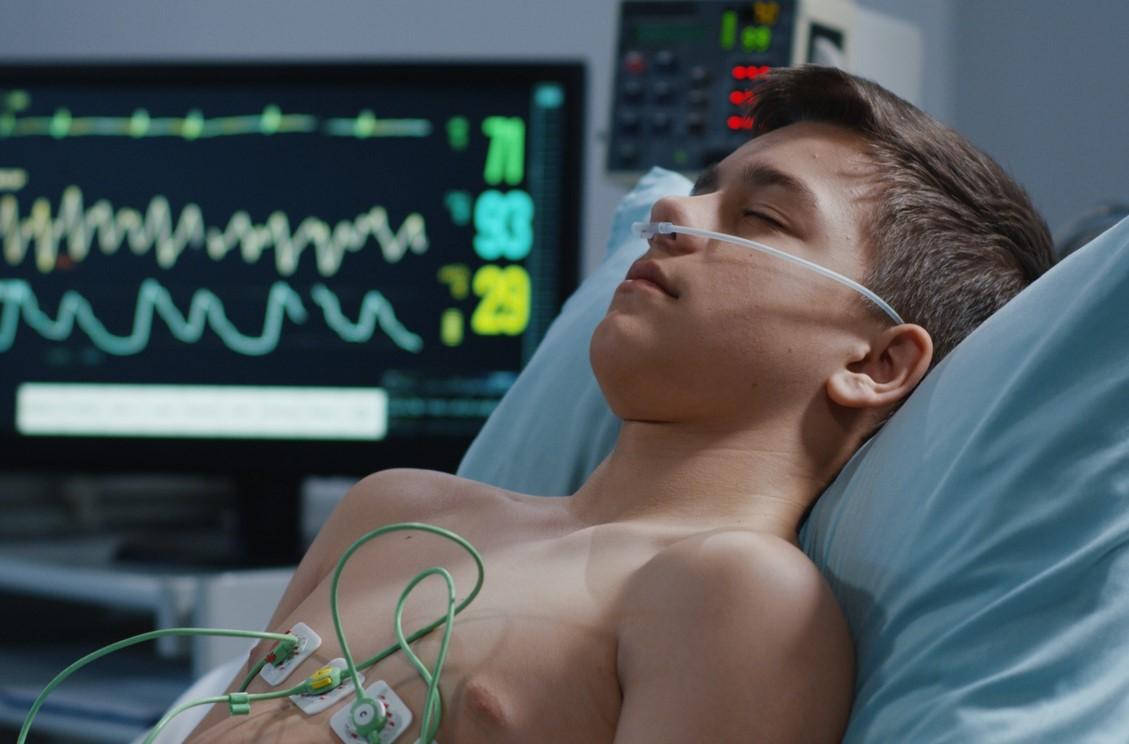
(707,180)
(759,175)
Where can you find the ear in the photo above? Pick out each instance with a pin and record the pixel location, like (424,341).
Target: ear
(885,371)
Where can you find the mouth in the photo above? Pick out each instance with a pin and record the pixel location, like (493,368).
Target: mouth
(647,272)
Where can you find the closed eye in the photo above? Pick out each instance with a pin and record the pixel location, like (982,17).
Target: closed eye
(762,216)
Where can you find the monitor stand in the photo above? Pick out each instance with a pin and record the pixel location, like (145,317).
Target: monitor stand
(265,533)
(267,521)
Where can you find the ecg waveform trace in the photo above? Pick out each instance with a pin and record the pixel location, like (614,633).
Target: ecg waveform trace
(76,226)
(206,310)
(194,125)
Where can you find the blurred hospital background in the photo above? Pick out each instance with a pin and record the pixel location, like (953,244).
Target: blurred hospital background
(251,251)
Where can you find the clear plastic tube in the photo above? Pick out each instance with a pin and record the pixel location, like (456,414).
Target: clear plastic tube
(648,230)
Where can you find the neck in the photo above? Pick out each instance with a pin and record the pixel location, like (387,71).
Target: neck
(676,475)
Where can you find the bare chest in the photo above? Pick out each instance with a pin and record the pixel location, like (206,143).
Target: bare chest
(533,658)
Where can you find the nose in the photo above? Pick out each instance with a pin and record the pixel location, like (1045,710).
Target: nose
(680,210)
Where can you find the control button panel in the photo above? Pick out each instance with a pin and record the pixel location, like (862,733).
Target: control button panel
(681,90)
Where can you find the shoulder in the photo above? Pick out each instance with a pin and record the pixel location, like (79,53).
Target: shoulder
(732,560)
(390,496)
(745,614)
(407,493)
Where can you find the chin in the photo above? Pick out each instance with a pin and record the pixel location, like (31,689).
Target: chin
(629,375)
(614,361)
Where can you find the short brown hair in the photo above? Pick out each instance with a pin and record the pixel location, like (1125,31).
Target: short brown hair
(952,236)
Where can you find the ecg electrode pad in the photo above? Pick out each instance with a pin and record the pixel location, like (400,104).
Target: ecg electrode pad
(648,230)
(308,642)
(399,716)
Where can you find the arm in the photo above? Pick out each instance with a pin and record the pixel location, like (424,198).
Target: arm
(733,637)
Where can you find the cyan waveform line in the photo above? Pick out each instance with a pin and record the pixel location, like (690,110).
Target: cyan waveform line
(375,308)
(75,227)
(206,310)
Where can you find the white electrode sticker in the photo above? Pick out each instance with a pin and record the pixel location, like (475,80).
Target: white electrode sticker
(308,642)
(399,716)
(311,704)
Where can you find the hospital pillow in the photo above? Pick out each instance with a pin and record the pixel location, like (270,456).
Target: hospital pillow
(979,544)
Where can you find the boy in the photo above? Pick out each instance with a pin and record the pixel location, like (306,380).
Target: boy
(667,599)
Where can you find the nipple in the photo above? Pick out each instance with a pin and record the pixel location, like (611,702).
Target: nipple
(485,703)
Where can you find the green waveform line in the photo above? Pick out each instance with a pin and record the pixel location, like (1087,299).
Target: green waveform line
(206,310)
(194,125)
(366,125)
(77,226)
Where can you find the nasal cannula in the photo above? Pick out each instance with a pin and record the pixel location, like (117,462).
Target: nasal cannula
(648,230)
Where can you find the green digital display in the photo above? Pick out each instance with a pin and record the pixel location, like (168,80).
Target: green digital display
(667,32)
(737,32)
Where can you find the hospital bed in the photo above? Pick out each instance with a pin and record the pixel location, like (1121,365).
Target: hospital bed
(979,544)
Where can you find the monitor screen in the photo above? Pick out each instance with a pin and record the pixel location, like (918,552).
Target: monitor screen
(315,268)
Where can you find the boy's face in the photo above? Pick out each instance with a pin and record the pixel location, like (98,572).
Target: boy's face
(739,333)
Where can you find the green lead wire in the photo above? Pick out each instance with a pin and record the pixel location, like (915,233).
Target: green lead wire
(251,674)
(131,641)
(401,642)
(433,704)
(433,701)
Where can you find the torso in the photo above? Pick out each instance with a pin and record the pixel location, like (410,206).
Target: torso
(533,658)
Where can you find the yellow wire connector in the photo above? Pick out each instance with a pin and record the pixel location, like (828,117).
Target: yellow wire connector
(323,680)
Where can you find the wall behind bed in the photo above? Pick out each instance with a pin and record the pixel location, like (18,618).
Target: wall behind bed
(1041,86)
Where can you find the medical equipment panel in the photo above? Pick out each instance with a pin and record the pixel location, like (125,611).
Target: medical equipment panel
(682,71)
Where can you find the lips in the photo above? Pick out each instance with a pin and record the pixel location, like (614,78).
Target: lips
(649,271)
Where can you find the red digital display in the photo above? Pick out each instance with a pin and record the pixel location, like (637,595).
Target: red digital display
(739,122)
(741,97)
(748,72)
